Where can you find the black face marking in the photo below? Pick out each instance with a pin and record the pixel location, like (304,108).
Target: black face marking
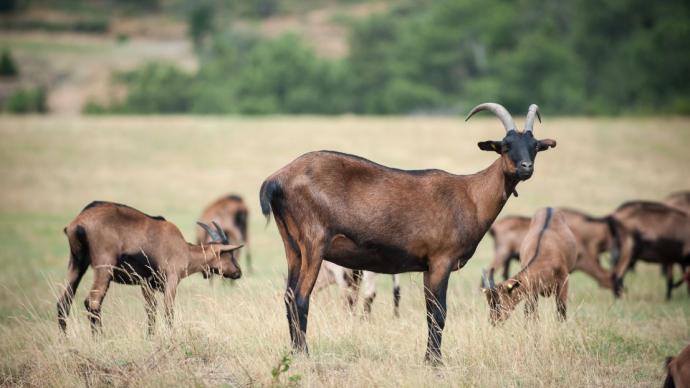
(521,147)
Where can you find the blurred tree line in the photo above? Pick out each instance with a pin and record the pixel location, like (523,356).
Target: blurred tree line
(570,56)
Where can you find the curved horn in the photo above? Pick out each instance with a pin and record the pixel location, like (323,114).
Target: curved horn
(499,111)
(211,233)
(221,233)
(529,121)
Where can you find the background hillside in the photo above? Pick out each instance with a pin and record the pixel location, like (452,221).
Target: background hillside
(345,56)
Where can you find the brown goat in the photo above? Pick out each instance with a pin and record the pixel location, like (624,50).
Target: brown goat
(365,216)
(678,368)
(547,255)
(124,245)
(592,235)
(232,214)
(351,281)
(652,232)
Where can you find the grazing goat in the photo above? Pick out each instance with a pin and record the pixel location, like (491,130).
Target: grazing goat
(547,255)
(124,245)
(592,236)
(362,215)
(679,200)
(231,213)
(351,281)
(678,370)
(652,232)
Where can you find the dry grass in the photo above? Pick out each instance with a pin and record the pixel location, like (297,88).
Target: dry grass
(235,335)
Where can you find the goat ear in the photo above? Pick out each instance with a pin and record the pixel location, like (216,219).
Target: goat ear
(545,144)
(490,145)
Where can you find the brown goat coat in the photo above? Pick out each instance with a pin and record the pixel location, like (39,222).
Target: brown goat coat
(365,216)
(482,192)
(547,256)
(679,370)
(232,214)
(124,245)
(592,235)
(649,231)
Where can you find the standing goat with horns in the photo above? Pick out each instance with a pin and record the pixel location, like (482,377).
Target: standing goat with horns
(364,216)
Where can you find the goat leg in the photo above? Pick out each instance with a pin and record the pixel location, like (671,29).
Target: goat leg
(435,287)
(169,298)
(94,301)
(74,275)
(151,304)
(396,295)
(305,284)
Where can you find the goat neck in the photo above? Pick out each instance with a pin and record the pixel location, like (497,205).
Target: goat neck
(490,189)
(200,258)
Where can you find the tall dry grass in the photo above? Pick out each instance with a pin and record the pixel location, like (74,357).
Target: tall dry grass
(237,335)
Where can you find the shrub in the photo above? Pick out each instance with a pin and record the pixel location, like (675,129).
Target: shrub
(27,101)
(157,88)
(8,67)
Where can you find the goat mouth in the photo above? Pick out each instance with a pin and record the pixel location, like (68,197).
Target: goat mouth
(524,175)
(234,275)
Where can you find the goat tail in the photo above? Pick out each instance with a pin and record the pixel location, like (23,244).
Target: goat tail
(269,193)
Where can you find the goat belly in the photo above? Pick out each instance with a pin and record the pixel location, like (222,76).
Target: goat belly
(372,256)
(137,268)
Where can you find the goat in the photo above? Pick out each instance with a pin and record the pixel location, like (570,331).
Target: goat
(652,232)
(678,369)
(592,236)
(351,281)
(365,216)
(547,255)
(127,246)
(232,214)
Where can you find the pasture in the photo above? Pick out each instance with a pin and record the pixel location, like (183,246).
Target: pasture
(236,335)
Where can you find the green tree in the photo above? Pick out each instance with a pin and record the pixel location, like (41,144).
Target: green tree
(8,67)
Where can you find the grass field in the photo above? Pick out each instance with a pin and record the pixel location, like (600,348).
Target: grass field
(50,167)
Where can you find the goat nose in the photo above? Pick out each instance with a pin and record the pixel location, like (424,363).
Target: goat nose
(526,164)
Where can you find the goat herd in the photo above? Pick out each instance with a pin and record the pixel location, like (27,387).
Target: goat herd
(355,214)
